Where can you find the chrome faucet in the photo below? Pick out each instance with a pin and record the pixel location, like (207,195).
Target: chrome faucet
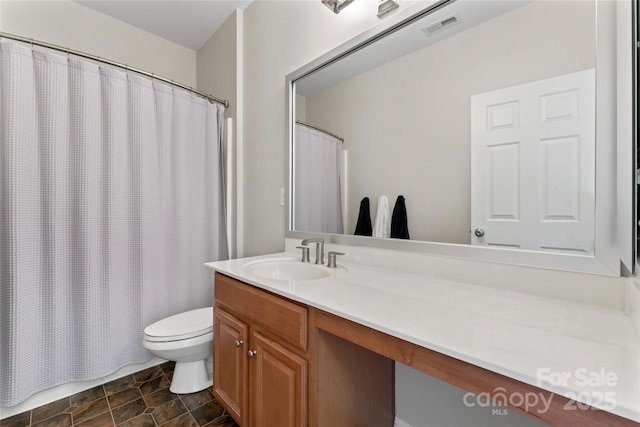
(319,241)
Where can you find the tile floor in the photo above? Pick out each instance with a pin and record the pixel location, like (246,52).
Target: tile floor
(138,400)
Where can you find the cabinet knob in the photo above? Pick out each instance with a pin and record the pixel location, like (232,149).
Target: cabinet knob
(238,343)
(252,353)
(479,232)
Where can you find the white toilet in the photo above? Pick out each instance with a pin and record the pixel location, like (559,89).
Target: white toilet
(187,339)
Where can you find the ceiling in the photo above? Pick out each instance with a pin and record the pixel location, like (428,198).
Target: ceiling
(405,40)
(189,23)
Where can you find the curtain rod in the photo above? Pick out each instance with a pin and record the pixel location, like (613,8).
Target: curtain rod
(300,122)
(112,63)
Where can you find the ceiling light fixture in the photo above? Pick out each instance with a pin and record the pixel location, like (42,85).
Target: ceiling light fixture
(336,5)
(386,6)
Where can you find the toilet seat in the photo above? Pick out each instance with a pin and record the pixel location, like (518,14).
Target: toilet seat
(181,326)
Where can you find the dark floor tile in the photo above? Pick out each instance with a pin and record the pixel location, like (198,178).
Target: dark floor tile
(222,421)
(169,376)
(168,366)
(60,420)
(159,397)
(102,420)
(184,420)
(90,410)
(194,400)
(121,402)
(87,396)
(144,420)
(124,396)
(148,374)
(19,420)
(169,411)
(154,385)
(207,412)
(118,385)
(49,410)
(129,410)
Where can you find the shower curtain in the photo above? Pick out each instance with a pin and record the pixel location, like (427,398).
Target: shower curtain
(317,200)
(110,202)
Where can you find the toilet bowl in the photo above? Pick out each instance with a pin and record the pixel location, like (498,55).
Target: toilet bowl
(187,339)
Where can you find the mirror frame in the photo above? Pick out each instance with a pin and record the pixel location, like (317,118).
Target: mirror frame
(606,257)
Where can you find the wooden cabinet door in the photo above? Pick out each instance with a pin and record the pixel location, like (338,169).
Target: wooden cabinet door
(278,385)
(230,370)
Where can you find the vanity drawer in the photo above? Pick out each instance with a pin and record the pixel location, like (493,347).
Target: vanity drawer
(286,319)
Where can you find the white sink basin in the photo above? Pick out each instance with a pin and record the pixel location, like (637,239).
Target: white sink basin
(283,269)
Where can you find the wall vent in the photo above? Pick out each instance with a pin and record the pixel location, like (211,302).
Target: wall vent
(436,27)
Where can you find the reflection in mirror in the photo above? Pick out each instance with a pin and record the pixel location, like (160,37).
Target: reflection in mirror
(481,115)
(317,170)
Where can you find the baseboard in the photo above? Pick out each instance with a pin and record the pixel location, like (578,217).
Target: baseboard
(400,423)
(64,390)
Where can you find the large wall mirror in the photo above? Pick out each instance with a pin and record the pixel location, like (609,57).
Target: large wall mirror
(482,115)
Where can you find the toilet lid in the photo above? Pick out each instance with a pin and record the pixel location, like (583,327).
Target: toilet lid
(181,326)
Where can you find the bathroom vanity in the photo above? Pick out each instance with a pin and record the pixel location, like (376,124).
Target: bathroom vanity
(261,355)
(321,351)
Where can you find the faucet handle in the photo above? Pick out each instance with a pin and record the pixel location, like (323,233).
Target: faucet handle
(331,262)
(305,253)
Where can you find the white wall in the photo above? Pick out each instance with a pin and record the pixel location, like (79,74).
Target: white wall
(414,137)
(219,74)
(68,24)
(216,64)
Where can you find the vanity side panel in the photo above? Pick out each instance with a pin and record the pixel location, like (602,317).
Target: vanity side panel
(353,386)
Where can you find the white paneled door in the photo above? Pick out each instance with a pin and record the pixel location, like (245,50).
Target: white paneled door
(533,165)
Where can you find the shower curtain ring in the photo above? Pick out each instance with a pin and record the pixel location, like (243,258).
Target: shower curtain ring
(31,44)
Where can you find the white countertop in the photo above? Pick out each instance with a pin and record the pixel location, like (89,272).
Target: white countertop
(533,339)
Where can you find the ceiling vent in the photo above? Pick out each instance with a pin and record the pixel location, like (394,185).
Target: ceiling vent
(436,27)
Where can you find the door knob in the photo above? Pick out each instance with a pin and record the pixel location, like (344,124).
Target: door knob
(479,232)
(252,353)
(238,343)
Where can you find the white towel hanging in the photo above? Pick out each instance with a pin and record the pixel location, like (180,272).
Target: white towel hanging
(382,225)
